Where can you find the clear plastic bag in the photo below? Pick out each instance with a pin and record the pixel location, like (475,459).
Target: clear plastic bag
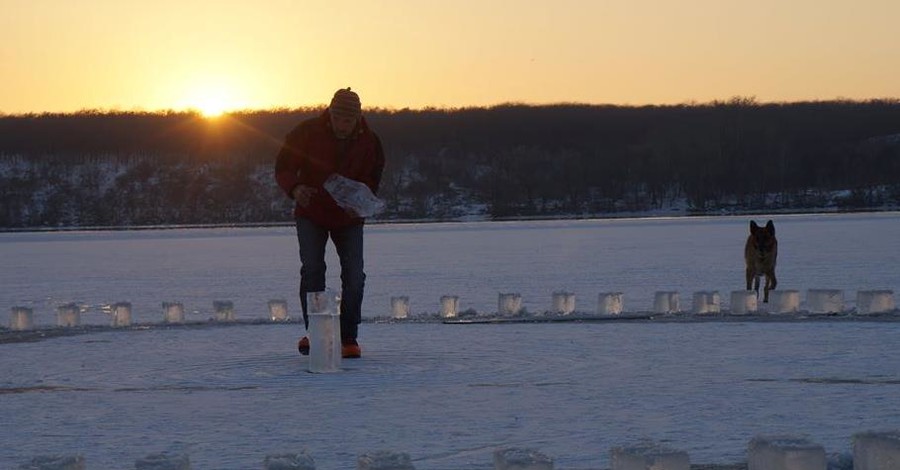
(353,195)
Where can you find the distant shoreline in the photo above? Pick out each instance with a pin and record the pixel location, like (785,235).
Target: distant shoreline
(473,218)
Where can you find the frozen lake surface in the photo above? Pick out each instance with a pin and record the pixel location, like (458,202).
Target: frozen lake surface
(446,394)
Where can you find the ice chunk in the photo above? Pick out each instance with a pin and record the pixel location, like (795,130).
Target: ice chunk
(21,318)
(876,450)
(449,306)
(173,312)
(825,300)
(324,331)
(610,303)
(55,462)
(785,453)
(665,302)
(744,302)
(224,310)
(68,315)
(648,456)
(278,310)
(784,301)
(515,458)
(509,304)
(874,301)
(163,461)
(706,302)
(300,461)
(353,195)
(400,307)
(121,314)
(563,303)
(384,460)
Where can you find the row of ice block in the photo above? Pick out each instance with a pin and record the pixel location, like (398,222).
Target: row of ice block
(818,301)
(704,302)
(69,315)
(871,451)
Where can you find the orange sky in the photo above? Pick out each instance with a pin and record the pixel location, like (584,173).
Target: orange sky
(66,55)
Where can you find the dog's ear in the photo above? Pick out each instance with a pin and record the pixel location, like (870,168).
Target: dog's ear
(770,227)
(753,226)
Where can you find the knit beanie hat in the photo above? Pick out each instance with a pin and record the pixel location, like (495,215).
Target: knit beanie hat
(345,103)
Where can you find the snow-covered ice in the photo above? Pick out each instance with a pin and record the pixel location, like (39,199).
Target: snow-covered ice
(230,394)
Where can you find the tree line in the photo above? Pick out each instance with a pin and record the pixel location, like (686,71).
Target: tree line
(97,168)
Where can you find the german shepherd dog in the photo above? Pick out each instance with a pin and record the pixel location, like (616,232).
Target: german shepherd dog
(760,254)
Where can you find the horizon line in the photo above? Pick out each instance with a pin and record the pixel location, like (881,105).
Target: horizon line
(734,100)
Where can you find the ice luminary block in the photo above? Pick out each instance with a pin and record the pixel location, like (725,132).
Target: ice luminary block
(509,304)
(744,302)
(563,303)
(400,307)
(384,460)
(56,462)
(610,303)
(278,310)
(163,461)
(825,300)
(21,318)
(173,312)
(785,453)
(874,301)
(665,302)
(224,310)
(68,315)
(324,331)
(301,461)
(449,306)
(646,456)
(784,301)
(706,302)
(521,459)
(876,450)
(121,314)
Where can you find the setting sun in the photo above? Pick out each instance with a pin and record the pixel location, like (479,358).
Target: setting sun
(211,109)
(212,98)
(211,102)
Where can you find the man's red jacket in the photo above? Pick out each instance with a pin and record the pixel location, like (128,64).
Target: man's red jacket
(311,153)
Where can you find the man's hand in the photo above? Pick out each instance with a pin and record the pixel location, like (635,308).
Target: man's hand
(302,194)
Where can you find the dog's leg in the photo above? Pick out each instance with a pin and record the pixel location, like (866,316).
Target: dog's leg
(749,273)
(771,282)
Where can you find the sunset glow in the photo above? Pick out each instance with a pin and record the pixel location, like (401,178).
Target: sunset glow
(212,100)
(217,56)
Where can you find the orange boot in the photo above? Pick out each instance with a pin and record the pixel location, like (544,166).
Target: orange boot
(303,346)
(350,349)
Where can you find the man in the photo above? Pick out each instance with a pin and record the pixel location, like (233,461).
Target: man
(337,141)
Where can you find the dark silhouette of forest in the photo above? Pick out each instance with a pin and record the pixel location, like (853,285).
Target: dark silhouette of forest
(131,168)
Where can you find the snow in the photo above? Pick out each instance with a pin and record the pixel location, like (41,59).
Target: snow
(448,395)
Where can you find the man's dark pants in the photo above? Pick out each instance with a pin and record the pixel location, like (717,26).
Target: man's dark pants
(348,243)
